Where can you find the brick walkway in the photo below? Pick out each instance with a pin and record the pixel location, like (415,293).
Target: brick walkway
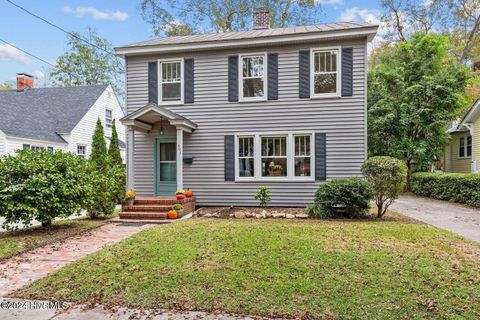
(20,270)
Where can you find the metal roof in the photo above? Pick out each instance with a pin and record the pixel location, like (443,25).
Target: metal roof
(264,34)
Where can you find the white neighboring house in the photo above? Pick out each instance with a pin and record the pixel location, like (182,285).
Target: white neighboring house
(60,118)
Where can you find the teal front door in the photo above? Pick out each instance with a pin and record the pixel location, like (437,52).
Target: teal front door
(166,173)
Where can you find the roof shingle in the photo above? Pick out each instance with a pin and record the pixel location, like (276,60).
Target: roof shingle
(42,113)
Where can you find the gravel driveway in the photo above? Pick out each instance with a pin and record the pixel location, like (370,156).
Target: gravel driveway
(453,217)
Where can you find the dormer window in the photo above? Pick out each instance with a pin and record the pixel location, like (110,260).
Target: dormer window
(171,81)
(252,77)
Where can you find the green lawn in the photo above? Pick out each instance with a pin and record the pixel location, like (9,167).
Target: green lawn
(281,268)
(15,242)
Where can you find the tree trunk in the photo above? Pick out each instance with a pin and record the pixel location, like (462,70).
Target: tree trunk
(379,210)
(409,175)
(46,223)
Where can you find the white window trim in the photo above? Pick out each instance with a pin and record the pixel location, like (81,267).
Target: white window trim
(82,155)
(337,94)
(290,157)
(241,98)
(159,77)
(466,156)
(106,124)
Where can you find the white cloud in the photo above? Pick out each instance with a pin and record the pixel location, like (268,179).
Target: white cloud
(7,52)
(97,14)
(356,14)
(330,2)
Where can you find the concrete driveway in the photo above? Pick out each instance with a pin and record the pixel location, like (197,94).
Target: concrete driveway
(453,217)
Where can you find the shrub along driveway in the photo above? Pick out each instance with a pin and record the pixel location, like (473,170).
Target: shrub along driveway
(460,219)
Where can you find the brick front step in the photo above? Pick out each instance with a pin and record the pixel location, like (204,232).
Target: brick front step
(154,207)
(143,215)
(147,208)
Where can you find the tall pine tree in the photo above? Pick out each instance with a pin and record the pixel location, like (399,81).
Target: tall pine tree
(116,160)
(99,148)
(114,149)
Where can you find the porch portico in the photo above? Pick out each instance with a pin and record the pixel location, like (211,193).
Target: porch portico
(153,118)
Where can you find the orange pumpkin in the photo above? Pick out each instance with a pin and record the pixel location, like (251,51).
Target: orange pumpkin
(188,193)
(172,214)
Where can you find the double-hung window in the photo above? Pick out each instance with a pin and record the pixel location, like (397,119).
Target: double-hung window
(465,147)
(325,72)
(303,155)
(108,118)
(81,151)
(274,156)
(253,82)
(171,81)
(246,157)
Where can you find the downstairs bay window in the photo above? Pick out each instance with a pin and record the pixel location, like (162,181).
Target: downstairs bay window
(274,157)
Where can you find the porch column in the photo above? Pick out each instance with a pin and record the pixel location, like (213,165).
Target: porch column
(179,159)
(130,151)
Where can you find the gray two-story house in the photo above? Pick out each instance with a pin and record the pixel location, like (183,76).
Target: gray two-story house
(226,113)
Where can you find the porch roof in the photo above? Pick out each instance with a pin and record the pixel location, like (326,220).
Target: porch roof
(145,117)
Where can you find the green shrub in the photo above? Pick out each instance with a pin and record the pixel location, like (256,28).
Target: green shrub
(348,197)
(102,187)
(315,211)
(263,196)
(455,187)
(387,176)
(41,186)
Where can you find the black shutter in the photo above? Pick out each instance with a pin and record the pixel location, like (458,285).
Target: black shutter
(229,147)
(304,74)
(320,156)
(233,78)
(347,72)
(189,81)
(152,82)
(272,76)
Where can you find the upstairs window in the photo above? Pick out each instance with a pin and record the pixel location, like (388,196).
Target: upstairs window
(108,118)
(252,77)
(171,77)
(81,151)
(325,74)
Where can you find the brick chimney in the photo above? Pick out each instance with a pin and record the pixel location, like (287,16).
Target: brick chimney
(261,18)
(24,80)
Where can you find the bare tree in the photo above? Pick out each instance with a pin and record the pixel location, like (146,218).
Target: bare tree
(191,16)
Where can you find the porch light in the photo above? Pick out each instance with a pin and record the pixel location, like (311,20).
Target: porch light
(161,126)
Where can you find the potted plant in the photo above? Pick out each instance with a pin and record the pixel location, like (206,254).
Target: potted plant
(189,193)
(179,209)
(180,194)
(130,197)
(172,214)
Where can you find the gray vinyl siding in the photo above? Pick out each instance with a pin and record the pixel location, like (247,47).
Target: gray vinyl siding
(342,119)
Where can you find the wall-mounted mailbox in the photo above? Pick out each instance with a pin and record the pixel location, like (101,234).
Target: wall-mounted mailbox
(187,159)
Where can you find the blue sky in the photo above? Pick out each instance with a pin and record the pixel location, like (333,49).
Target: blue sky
(117,20)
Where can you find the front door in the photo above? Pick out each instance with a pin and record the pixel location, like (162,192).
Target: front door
(166,177)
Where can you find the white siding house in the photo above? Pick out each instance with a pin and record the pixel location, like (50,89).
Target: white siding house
(60,118)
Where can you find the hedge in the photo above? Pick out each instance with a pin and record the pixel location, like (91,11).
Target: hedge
(455,187)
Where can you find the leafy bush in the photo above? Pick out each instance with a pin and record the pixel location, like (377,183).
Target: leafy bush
(455,187)
(315,211)
(348,197)
(263,195)
(41,186)
(102,187)
(387,176)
